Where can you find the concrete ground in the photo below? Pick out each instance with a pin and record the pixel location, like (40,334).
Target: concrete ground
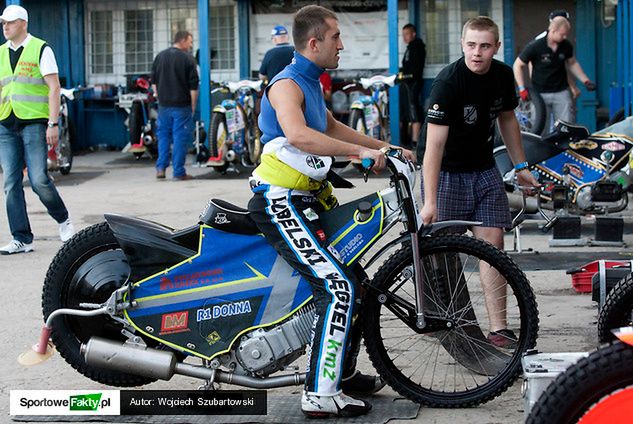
(114,182)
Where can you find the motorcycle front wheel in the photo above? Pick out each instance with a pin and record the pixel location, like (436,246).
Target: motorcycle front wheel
(617,310)
(597,389)
(462,364)
(217,138)
(87,269)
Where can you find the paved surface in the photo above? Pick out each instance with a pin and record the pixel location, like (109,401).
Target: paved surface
(114,182)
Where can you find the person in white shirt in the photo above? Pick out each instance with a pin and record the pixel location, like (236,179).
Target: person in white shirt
(29,112)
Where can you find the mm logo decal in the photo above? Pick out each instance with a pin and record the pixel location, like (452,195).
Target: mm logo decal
(176,322)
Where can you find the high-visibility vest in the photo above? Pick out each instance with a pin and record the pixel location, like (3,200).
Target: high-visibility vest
(24,90)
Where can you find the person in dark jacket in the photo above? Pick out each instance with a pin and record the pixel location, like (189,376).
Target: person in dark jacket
(175,82)
(411,89)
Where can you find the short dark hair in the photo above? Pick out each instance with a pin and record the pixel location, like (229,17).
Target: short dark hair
(481,23)
(181,36)
(411,27)
(309,21)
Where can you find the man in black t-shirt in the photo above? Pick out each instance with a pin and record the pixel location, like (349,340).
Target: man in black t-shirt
(277,58)
(175,82)
(550,57)
(410,90)
(460,178)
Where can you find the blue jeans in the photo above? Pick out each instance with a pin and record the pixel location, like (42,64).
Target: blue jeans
(174,126)
(27,147)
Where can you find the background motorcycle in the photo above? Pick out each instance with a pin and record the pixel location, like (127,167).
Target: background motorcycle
(581,173)
(60,155)
(234,134)
(218,293)
(140,105)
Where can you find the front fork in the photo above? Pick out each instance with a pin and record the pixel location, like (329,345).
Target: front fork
(419,282)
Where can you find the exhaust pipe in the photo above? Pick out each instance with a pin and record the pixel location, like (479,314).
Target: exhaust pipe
(159,364)
(143,361)
(230,156)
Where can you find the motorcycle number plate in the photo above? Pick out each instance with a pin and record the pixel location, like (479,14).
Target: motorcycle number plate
(234,120)
(371,116)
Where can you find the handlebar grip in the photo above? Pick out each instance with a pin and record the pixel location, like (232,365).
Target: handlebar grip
(367,163)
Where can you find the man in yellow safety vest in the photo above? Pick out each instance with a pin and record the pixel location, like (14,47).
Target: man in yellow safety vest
(29,109)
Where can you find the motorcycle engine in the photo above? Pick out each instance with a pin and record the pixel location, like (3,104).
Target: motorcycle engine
(263,352)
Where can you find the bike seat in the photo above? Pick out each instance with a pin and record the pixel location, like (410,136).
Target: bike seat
(564,132)
(224,216)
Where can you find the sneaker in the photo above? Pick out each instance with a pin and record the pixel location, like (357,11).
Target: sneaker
(16,246)
(505,339)
(66,230)
(314,406)
(361,384)
(160,174)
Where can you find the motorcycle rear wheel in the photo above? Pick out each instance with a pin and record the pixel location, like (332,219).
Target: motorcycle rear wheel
(87,269)
(65,147)
(589,389)
(617,310)
(457,367)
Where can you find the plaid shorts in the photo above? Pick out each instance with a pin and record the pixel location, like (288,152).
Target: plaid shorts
(473,196)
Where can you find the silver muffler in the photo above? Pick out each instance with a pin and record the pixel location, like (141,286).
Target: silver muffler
(130,359)
(159,364)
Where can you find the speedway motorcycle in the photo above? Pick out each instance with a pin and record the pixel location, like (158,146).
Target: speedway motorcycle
(127,300)
(580,173)
(234,134)
(369,114)
(140,105)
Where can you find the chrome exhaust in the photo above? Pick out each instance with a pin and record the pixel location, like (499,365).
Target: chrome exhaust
(159,364)
(230,156)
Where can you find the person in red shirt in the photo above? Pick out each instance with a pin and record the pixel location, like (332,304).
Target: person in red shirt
(326,86)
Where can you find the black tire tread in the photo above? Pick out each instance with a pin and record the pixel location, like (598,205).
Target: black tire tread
(68,346)
(617,308)
(520,285)
(573,392)
(354,116)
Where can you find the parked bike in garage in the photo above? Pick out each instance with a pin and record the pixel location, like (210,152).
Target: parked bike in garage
(234,136)
(581,173)
(140,105)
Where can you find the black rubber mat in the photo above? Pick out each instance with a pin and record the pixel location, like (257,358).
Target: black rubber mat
(281,409)
(543,261)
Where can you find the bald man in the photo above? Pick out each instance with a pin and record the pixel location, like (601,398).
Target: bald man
(551,56)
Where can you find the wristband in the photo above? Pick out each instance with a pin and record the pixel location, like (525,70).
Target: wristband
(520,166)
(521,88)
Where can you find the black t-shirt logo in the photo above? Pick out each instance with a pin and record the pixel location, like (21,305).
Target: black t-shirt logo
(546,58)
(470,114)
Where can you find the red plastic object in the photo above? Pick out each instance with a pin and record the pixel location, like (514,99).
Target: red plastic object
(581,277)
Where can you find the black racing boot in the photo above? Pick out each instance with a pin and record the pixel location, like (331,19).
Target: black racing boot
(361,384)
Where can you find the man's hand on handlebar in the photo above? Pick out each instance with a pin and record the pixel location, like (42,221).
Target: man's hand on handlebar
(526,180)
(377,156)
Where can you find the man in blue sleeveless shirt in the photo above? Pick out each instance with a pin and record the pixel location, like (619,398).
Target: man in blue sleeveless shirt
(290,189)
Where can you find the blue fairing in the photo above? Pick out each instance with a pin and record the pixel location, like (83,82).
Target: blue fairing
(235,283)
